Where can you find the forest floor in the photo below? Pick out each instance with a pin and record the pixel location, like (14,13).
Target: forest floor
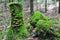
(51,14)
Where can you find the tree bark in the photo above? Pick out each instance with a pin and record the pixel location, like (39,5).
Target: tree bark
(37,4)
(11,1)
(59,6)
(19,0)
(5,4)
(31,6)
(45,5)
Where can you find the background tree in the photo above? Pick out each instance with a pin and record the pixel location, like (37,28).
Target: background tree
(5,3)
(45,5)
(19,0)
(11,0)
(31,6)
(59,6)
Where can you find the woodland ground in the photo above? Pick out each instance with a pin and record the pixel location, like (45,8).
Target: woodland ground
(51,14)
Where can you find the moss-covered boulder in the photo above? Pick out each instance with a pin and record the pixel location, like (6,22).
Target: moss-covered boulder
(48,29)
(44,25)
(36,17)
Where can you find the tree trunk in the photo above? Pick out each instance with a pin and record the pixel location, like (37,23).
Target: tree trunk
(31,6)
(19,0)
(5,4)
(45,5)
(17,21)
(11,1)
(37,4)
(59,6)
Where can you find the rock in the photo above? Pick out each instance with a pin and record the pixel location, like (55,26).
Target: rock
(34,32)
(4,38)
(30,38)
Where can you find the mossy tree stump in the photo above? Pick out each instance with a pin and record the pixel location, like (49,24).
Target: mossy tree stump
(18,30)
(16,15)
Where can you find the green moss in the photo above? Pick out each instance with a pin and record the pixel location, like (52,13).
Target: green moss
(44,25)
(2,33)
(18,3)
(57,33)
(11,34)
(23,33)
(38,16)
(18,29)
(1,15)
(17,13)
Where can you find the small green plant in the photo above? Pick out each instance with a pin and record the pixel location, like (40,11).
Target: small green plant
(1,15)
(5,22)
(37,16)
(2,33)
